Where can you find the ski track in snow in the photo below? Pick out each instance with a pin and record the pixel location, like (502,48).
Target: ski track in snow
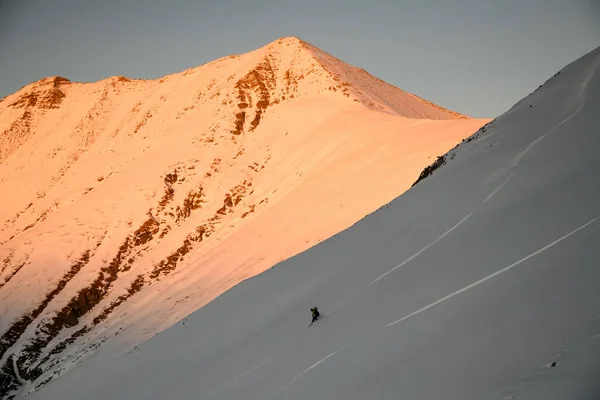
(257,366)
(504,182)
(582,98)
(443,299)
(422,250)
(223,386)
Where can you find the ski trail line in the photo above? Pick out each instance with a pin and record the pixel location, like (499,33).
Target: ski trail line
(487,278)
(223,386)
(443,299)
(422,250)
(582,98)
(504,182)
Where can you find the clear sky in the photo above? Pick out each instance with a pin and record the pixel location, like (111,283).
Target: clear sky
(477,57)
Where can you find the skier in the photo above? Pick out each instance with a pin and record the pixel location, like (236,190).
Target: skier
(315,314)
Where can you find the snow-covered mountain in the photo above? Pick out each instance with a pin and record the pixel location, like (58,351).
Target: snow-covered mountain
(128,204)
(480,282)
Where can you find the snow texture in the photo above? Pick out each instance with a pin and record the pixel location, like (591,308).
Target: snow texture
(479,282)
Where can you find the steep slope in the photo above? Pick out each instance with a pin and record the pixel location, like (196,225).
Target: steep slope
(128,204)
(479,282)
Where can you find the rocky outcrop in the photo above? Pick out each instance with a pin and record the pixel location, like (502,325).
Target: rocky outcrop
(44,94)
(254,95)
(232,199)
(16,134)
(13,333)
(90,296)
(10,275)
(9,381)
(32,101)
(12,366)
(443,159)
(431,168)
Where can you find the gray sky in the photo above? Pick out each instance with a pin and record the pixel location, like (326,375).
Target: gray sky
(478,57)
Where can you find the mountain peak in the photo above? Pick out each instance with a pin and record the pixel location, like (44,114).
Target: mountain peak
(44,93)
(287,41)
(303,59)
(291,68)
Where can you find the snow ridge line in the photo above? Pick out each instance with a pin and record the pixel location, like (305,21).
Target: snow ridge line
(443,299)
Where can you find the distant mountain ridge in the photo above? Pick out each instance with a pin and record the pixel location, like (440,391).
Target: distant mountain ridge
(130,203)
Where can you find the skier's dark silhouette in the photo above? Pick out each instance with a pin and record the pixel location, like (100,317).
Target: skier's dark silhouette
(315,314)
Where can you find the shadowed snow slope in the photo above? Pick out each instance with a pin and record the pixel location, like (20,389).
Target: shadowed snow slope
(128,204)
(468,286)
